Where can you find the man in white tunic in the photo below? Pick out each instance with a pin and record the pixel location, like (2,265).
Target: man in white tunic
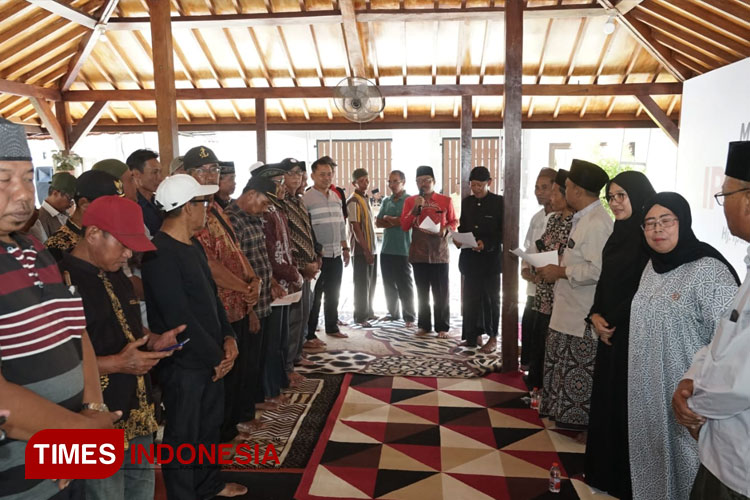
(571,347)
(713,399)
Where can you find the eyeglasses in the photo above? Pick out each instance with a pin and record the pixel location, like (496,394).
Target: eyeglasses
(206,170)
(203,202)
(618,197)
(296,172)
(719,197)
(663,222)
(278,181)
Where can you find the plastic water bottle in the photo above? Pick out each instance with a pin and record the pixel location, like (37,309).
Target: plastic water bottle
(535,397)
(554,478)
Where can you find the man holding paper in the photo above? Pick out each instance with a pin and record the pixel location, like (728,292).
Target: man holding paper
(481,217)
(430,215)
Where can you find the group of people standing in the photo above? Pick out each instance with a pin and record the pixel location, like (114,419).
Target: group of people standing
(636,337)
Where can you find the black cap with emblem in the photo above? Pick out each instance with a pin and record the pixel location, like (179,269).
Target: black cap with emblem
(199,156)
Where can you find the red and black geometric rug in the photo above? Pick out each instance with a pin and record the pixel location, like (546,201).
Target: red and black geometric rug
(431,438)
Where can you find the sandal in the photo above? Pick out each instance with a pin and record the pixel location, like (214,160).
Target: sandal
(338,335)
(489,347)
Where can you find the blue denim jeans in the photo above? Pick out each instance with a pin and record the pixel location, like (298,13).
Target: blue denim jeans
(131,482)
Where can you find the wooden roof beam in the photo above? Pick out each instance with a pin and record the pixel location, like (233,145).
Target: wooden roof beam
(25,90)
(319,62)
(372,53)
(687,50)
(675,18)
(625,6)
(642,34)
(660,118)
(482,60)
(738,11)
(87,44)
(351,37)
(87,122)
(49,119)
(572,61)
(711,17)
(540,66)
(362,16)
(436,53)
(59,8)
(581,90)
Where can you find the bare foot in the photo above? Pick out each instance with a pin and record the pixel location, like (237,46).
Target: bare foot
(410,324)
(232,490)
(280,400)
(421,332)
(443,335)
(250,426)
(267,405)
(489,347)
(295,379)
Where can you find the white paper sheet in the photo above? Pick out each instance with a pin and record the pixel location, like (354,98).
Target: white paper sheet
(538,259)
(466,240)
(287,300)
(429,225)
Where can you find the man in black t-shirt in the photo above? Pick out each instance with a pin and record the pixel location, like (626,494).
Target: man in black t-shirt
(179,289)
(125,351)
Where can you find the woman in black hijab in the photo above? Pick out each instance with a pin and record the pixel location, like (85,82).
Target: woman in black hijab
(623,259)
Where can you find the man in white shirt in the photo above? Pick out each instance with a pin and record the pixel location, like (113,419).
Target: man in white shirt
(542,189)
(54,212)
(713,398)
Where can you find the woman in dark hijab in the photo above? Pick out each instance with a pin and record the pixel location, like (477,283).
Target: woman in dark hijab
(684,289)
(623,259)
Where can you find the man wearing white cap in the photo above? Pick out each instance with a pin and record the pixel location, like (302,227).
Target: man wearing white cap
(179,289)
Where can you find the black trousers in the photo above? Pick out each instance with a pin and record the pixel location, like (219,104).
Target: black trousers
(277,331)
(365,279)
(527,330)
(329,283)
(709,487)
(398,286)
(195,410)
(239,383)
(435,277)
(259,370)
(538,346)
(480,304)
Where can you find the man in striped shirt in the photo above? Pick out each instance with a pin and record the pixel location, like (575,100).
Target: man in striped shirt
(330,231)
(48,373)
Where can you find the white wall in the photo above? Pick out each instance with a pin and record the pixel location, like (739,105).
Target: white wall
(715,111)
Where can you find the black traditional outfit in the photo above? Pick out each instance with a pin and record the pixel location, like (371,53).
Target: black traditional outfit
(623,259)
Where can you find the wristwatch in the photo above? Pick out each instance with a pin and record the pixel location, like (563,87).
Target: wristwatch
(95,407)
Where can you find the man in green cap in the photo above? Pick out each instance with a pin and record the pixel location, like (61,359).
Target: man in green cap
(364,243)
(54,211)
(119,170)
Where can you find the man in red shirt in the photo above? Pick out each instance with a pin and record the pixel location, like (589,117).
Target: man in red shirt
(428,253)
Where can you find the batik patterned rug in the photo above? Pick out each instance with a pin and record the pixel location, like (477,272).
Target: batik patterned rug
(391,349)
(439,438)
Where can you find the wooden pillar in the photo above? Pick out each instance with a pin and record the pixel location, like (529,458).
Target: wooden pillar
(465,145)
(166,96)
(512,178)
(260,128)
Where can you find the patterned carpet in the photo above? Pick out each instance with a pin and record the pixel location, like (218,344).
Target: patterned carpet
(431,438)
(294,428)
(391,349)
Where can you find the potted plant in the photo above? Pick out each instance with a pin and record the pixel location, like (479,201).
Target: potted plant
(65,161)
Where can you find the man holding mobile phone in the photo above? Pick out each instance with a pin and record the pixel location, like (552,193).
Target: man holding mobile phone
(112,229)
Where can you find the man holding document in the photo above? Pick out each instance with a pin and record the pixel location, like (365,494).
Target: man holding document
(430,215)
(481,221)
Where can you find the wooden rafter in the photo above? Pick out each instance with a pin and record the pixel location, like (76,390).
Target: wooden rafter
(264,69)
(34,58)
(25,90)
(554,90)
(677,32)
(291,69)
(679,20)
(404,69)
(65,11)
(672,102)
(660,118)
(625,6)
(87,122)
(318,61)
(435,51)
(642,34)
(540,66)
(600,65)
(86,46)
(738,11)
(187,71)
(633,58)
(460,49)
(572,61)
(22,25)
(678,46)
(49,120)
(113,83)
(52,66)
(482,62)
(351,37)
(40,36)
(708,16)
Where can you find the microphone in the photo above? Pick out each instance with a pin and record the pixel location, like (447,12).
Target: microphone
(419,208)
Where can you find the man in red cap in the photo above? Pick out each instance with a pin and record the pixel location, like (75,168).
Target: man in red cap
(125,351)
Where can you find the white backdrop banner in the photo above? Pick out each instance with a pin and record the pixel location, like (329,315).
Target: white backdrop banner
(715,111)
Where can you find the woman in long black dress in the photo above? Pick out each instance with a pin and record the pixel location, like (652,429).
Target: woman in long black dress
(624,257)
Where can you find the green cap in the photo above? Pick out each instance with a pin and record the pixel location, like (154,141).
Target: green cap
(115,168)
(64,182)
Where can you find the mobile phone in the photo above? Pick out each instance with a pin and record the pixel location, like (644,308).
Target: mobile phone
(173,347)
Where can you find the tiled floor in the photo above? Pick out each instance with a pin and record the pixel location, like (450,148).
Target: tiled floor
(432,438)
